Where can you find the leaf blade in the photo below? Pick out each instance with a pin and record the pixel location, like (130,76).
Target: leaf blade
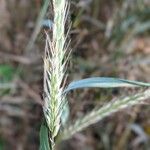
(44,142)
(104,82)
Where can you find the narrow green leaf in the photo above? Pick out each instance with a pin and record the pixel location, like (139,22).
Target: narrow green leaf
(44,142)
(104,82)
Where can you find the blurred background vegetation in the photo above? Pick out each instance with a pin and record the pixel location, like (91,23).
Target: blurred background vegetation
(109,38)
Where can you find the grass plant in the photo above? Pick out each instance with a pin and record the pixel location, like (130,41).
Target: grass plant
(55,59)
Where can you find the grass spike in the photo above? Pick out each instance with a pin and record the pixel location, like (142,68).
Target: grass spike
(54,70)
(108,109)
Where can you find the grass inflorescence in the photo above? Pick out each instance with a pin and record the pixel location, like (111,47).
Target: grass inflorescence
(54,70)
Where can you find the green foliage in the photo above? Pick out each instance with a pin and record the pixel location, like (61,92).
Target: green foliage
(2,144)
(6,73)
(44,141)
